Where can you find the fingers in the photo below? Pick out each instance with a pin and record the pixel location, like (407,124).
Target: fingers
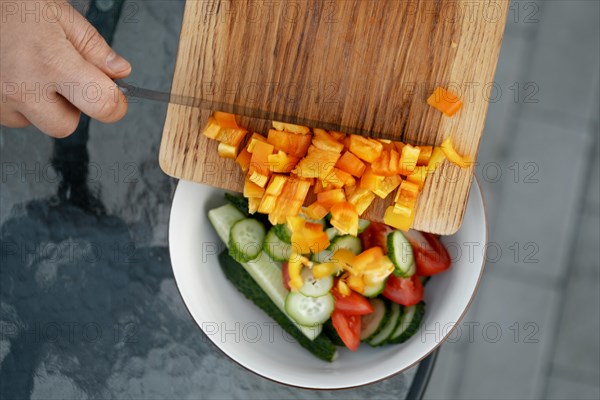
(90,44)
(14,119)
(89,89)
(57,119)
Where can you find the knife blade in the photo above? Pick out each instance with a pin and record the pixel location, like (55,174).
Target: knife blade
(131,90)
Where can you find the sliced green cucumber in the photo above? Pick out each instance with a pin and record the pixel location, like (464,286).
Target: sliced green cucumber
(246,239)
(283,232)
(276,248)
(309,338)
(239,202)
(409,323)
(331,233)
(401,253)
(372,324)
(363,224)
(347,242)
(223,218)
(312,287)
(374,290)
(381,337)
(309,311)
(331,333)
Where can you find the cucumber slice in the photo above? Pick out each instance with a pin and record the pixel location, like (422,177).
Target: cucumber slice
(277,249)
(283,232)
(409,323)
(363,224)
(309,311)
(223,218)
(347,242)
(381,337)
(373,323)
(374,290)
(331,233)
(312,287)
(239,202)
(246,239)
(401,253)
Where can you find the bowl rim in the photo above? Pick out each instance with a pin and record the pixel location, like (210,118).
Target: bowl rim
(477,182)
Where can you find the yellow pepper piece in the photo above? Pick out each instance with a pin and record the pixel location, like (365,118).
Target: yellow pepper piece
(398,221)
(436,159)
(452,155)
(356,283)
(324,270)
(294,268)
(343,288)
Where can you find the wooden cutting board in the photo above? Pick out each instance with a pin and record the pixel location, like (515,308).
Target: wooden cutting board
(355,66)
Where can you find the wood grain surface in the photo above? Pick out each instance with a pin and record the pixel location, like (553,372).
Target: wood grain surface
(359,66)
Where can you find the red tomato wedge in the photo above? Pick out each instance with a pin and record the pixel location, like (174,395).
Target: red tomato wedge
(353,304)
(375,235)
(404,291)
(430,254)
(348,328)
(285,276)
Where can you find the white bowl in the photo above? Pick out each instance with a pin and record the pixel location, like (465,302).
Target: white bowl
(249,337)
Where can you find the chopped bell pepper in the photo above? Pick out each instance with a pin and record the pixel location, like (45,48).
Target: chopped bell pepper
(368,258)
(344,218)
(260,158)
(231,136)
(281,162)
(276,184)
(324,270)
(424,155)
(258,178)
(343,288)
(329,198)
(398,221)
(343,256)
(267,204)
(381,166)
(339,136)
(452,155)
(243,159)
(283,126)
(436,159)
(290,143)
(408,159)
(356,283)
(212,128)
(315,211)
(406,198)
(418,176)
(370,180)
(251,189)
(361,199)
(310,238)
(324,141)
(445,101)
(294,268)
(349,190)
(225,120)
(253,203)
(364,148)
(253,140)
(387,186)
(227,151)
(351,164)
(317,163)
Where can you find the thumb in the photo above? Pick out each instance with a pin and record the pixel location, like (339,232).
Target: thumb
(91,45)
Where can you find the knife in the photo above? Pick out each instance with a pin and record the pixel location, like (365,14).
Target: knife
(131,90)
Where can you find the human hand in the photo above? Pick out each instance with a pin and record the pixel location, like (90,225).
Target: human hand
(54,64)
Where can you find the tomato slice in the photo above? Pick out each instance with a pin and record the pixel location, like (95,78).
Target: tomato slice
(285,275)
(353,304)
(348,328)
(430,254)
(404,291)
(375,235)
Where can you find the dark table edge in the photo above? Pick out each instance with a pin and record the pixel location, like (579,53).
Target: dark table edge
(421,379)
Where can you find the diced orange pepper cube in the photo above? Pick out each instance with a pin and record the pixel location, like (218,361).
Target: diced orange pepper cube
(364,148)
(387,186)
(290,143)
(452,155)
(260,157)
(339,136)
(258,178)
(253,140)
(294,268)
(212,128)
(317,163)
(338,178)
(297,129)
(368,258)
(267,204)
(351,164)
(399,146)
(324,141)
(381,166)
(243,159)
(281,162)
(318,186)
(343,256)
(251,189)
(387,144)
(398,221)
(370,180)
(330,197)
(344,218)
(445,101)
(356,283)
(424,155)
(324,270)
(231,136)
(436,159)
(418,176)
(309,238)
(361,199)
(253,203)
(406,197)
(227,151)
(225,120)
(348,190)
(394,165)
(315,211)
(408,159)
(276,184)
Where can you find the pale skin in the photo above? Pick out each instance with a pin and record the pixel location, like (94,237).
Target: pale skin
(55,65)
